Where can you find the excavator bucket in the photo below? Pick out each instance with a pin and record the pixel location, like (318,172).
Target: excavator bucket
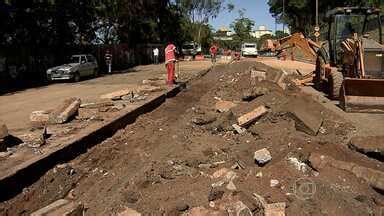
(362,95)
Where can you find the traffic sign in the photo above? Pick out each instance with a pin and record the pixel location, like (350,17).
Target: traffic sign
(317,34)
(317,28)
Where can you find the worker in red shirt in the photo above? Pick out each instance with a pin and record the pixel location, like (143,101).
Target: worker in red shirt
(170,60)
(213,51)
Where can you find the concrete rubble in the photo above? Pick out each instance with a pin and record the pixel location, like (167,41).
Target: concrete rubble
(227,138)
(154,82)
(238,209)
(61,207)
(129,212)
(65,111)
(258,75)
(307,119)
(96,105)
(202,211)
(3,130)
(35,138)
(238,129)
(375,178)
(39,118)
(252,116)
(84,114)
(116,95)
(3,135)
(273,209)
(262,157)
(371,146)
(224,106)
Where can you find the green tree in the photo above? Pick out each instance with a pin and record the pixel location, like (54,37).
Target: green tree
(280,34)
(199,12)
(242,27)
(300,14)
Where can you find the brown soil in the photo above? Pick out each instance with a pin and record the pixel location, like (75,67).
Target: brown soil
(164,160)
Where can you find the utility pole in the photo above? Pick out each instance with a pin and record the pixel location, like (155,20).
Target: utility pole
(317,27)
(275,25)
(283,16)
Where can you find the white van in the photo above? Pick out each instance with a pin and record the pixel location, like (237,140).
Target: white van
(249,49)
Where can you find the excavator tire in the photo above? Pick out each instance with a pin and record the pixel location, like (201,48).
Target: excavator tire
(318,81)
(335,80)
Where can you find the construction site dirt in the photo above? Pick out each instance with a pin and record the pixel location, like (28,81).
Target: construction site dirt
(194,155)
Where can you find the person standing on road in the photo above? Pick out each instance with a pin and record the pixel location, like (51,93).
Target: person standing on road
(156,55)
(108,60)
(213,51)
(170,60)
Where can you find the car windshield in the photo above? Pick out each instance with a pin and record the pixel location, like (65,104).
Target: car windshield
(250,46)
(189,46)
(75,59)
(349,24)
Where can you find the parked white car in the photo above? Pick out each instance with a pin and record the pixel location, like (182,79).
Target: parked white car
(249,49)
(191,49)
(79,66)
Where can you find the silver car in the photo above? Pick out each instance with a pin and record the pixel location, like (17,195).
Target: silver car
(79,66)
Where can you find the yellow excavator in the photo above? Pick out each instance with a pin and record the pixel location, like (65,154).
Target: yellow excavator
(350,64)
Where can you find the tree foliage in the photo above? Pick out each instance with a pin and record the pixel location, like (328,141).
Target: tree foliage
(300,14)
(242,27)
(197,14)
(63,23)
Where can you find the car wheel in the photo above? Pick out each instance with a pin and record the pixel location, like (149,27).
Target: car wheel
(76,78)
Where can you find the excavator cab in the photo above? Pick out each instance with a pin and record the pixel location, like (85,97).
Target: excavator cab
(352,63)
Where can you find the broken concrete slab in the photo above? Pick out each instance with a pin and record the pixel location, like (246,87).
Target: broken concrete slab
(65,111)
(201,211)
(129,212)
(275,209)
(227,174)
(274,182)
(371,146)
(3,135)
(85,114)
(39,118)
(61,207)
(35,138)
(135,89)
(3,130)
(252,116)
(157,82)
(281,81)
(375,178)
(262,157)
(258,75)
(224,106)
(238,129)
(238,209)
(231,186)
(306,119)
(118,94)
(96,105)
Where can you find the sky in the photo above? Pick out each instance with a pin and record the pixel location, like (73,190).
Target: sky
(257,10)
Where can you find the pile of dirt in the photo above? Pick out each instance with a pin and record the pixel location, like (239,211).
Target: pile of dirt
(187,158)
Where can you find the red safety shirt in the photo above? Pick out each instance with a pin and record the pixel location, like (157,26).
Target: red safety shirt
(170,53)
